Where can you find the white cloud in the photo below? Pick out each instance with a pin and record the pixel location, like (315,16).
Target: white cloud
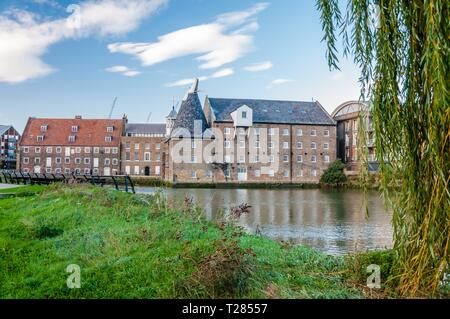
(26,37)
(215,44)
(280,81)
(123,70)
(219,74)
(257,67)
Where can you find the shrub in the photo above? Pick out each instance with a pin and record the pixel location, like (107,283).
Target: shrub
(334,174)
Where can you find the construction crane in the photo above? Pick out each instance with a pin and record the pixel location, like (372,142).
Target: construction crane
(112,108)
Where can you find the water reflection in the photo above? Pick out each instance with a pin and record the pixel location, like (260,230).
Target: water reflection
(330,220)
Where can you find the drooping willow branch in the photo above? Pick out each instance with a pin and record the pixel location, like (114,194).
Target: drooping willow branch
(404,60)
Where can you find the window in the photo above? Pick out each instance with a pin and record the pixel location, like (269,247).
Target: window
(147,146)
(313,133)
(271,159)
(74,128)
(107,150)
(67,171)
(127,156)
(72,138)
(49,150)
(326,133)
(87,150)
(299,145)
(313,158)
(193,145)
(59,150)
(326,159)
(96,150)
(257,173)
(37,160)
(286,158)
(193,174)
(271,145)
(227,131)
(227,144)
(158,146)
(227,172)
(241,131)
(77,171)
(227,159)
(241,144)
(87,160)
(256,159)
(26,170)
(26,160)
(271,131)
(314,172)
(107,161)
(286,145)
(78,150)
(257,130)
(208,174)
(48,170)
(241,159)
(58,171)
(128,145)
(158,158)
(25,149)
(136,155)
(78,160)
(87,171)
(271,173)
(300,173)
(40,138)
(147,156)
(193,159)
(299,132)
(110,129)
(244,115)
(95,171)
(136,146)
(58,160)
(299,158)
(115,161)
(37,150)
(44,128)
(285,132)
(108,138)
(286,173)
(67,160)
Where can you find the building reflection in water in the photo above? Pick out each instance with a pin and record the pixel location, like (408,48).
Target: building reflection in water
(333,221)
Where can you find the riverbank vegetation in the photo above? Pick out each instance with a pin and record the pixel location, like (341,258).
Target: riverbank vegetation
(140,246)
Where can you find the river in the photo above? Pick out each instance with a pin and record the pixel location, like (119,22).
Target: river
(333,221)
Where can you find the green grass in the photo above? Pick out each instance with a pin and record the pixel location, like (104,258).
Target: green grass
(132,246)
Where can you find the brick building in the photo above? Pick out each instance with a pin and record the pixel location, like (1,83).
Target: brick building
(353,119)
(71,146)
(9,138)
(244,140)
(143,150)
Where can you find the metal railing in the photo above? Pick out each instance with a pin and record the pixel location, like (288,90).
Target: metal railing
(120,182)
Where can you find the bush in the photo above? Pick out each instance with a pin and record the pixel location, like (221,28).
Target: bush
(334,174)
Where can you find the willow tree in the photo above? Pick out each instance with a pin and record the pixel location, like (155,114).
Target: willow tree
(402,49)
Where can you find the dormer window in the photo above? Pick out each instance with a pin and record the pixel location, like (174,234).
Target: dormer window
(74,128)
(72,138)
(44,128)
(110,129)
(244,115)
(108,138)
(40,138)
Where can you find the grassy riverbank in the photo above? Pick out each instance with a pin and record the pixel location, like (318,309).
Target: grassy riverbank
(131,246)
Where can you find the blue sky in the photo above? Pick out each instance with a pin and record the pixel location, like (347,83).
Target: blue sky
(142,52)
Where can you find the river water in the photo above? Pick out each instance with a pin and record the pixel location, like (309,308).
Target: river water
(333,221)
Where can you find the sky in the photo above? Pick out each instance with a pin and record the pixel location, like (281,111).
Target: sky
(66,58)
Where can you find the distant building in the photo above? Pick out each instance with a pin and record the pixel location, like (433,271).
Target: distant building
(143,150)
(71,146)
(349,117)
(245,140)
(9,138)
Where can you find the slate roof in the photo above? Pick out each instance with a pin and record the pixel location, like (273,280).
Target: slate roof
(172,114)
(91,132)
(190,111)
(135,128)
(4,128)
(273,111)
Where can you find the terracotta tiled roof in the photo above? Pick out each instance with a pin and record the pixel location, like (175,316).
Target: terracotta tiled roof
(90,132)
